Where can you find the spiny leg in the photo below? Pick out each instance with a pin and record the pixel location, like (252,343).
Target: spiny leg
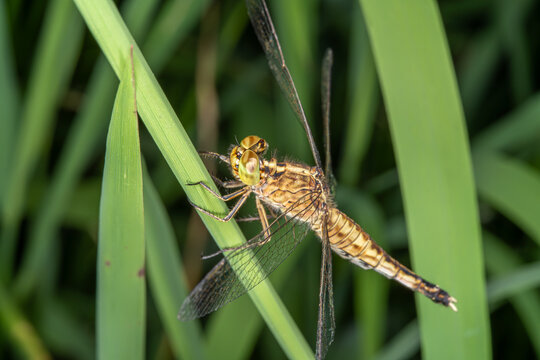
(225,197)
(273,214)
(266,237)
(231,213)
(264,221)
(211,154)
(225,184)
(229,184)
(254,218)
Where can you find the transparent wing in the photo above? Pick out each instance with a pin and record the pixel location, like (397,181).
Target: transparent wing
(326,324)
(254,262)
(264,28)
(326,86)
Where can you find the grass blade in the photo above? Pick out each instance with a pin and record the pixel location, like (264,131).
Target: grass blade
(105,22)
(364,99)
(172,24)
(509,20)
(22,334)
(478,70)
(164,270)
(88,128)
(404,345)
(486,51)
(64,332)
(434,165)
(120,267)
(518,202)
(9,101)
(518,129)
(524,278)
(500,260)
(53,64)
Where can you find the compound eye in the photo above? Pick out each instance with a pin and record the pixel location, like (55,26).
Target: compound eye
(249,141)
(260,147)
(234,158)
(249,170)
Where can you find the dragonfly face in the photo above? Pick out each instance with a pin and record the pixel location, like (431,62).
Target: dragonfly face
(245,160)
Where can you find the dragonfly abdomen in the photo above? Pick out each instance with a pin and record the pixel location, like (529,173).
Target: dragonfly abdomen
(351,242)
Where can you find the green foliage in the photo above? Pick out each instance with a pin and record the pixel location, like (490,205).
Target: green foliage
(434,166)
(414,83)
(121,295)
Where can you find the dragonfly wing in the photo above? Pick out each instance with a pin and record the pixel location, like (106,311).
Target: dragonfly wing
(326,324)
(247,266)
(264,28)
(326,84)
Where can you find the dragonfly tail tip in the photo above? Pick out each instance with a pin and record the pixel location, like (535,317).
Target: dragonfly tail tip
(452,304)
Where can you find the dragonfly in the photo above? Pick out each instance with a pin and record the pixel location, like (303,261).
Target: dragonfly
(299,199)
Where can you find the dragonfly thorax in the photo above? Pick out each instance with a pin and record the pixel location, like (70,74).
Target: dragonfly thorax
(245,159)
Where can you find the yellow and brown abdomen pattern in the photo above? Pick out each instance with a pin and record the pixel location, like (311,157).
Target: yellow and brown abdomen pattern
(351,242)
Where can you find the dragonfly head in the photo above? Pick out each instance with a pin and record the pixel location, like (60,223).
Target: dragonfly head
(255,144)
(245,161)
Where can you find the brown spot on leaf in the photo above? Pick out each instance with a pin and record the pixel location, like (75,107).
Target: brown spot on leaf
(141,272)
(107,263)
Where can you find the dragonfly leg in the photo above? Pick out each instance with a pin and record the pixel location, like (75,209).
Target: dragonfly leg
(266,230)
(233,211)
(211,154)
(264,221)
(225,197)
(273,214)
(254,218)
(229,184)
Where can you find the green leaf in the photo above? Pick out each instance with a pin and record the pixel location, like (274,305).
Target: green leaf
(524,278)
(516,130)
(478,69)
(121,248)
(363,101)
(89,126)
(166,278)
(56,55)
(512,188)
(173,22)
(402,346)
(434,165)
(64,331)
(22,333)
(9,101)
(509,20)
(500,259)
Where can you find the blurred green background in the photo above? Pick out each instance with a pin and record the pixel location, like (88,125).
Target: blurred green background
(57,92)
